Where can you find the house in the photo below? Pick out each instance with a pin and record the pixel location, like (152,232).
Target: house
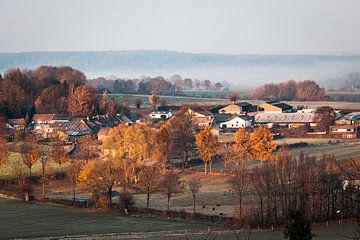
(291,120)
(275,107)
(160,115)
(16,124)
(345,131)
(349,119)
(50,118)
(237,122)
(201,117)
(237,108)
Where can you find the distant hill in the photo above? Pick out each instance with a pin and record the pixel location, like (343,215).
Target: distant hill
(245,69)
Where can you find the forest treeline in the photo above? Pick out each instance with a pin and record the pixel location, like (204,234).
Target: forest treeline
(306,90)
(172,86)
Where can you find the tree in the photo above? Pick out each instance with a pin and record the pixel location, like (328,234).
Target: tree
(233,97)
(207,84)
(138,102)
(324,118)
(59,155)
(183,133)
(104,101)
(262,143)
(83,101)
(30,152)
(194,185)
(242,148)
(52,99)
(99,177)
(207,143)
(74,174)
(163,146)
(298,227)
(218,86)
(130,147)
(44,159)
(149,182)
(4,151)
(154,99)
(238,183)
(170,185)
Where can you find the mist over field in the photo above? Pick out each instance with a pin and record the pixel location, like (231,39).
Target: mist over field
(245,70)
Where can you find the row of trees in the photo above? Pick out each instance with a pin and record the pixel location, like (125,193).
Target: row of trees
(45,90)
(141,86)
(306,90)
(50,90)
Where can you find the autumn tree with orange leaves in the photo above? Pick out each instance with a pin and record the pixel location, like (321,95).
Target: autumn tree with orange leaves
(30,152)
(4,152)
(154,99)
(163,146)
(262,143)
(131,147)
(208,146)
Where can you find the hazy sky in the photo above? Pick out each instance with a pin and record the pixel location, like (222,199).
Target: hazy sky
(210,26)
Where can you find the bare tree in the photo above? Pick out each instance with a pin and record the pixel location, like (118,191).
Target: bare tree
(74,173)
(171,185)
(44,159)
(149,182)
(194,185)
(238,182)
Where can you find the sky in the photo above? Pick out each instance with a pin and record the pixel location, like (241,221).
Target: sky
(197,26)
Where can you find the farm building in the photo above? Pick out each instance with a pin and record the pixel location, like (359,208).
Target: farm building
(291,120)
(275,107)
(351,118)
(237,108)
(201,117)
(345,131)
(50,118)
(16,124)
(160,114)
(237,122)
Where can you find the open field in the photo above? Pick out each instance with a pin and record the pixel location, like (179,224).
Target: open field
(179,100)
(172,100)
(20,220)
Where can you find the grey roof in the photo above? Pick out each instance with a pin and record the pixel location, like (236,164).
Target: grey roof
(352,116)
(283,106)
(242,104)
(284,118)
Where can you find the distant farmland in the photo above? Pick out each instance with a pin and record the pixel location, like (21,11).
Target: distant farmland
(179,100)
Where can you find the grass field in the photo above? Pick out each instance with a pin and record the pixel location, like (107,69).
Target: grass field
(171,100)
(217,99)
(30,220)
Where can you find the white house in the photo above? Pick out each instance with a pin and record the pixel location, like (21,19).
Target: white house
(237,122)
(160,115)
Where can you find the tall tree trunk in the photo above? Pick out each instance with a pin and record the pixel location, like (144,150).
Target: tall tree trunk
(43,188)
(210,163)
(194,196)
(168,203)
(240,207)
(147,199)
(205,169)
(74,193)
